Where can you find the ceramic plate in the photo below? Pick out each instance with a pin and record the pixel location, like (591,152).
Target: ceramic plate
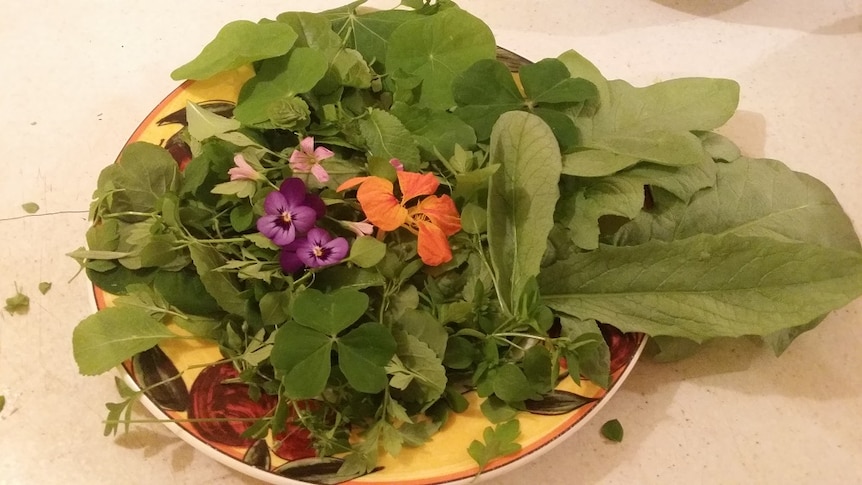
(288,458)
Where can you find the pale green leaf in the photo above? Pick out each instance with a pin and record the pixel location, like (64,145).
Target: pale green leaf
(521,199)
(105,339)
(751,197)
(704,286)
(203,124)
(366,251)
(30,207)
(236,44)
(677,105)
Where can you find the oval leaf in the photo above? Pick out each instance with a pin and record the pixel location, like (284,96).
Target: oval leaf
(105,339)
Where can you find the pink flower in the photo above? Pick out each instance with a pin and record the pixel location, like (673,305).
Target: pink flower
(359,228)
(242,171)
(397,164)
(308,159)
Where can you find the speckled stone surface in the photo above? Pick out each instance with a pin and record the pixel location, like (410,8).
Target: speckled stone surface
(78,76)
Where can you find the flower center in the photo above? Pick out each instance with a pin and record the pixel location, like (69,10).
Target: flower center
(318,252)
(286,217)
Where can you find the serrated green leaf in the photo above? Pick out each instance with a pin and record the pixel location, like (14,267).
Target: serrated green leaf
(387,138)
(105,339)
(221,285)
(420,367)
(238,43)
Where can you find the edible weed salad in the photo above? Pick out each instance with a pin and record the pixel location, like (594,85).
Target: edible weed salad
(388,216)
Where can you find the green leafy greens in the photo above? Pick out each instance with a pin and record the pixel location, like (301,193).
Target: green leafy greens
(472,230)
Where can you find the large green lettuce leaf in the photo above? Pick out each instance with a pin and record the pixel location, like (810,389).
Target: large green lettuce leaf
(704,286)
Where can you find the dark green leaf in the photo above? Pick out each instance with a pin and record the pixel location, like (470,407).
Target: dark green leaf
(557,402)
(329,313)
(436,132)
(221,285)
(511,385)
(185,291)
(613,430)
(362,353)
(303,357)
(549,81)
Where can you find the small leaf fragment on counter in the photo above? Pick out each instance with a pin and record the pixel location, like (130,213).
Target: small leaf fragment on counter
(613,430)
(18,304)
(45,287)
(2,402)
(30,207)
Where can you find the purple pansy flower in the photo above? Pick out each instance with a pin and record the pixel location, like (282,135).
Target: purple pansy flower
(317,249)
(289,212)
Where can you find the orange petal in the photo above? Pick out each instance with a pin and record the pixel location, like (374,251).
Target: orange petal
(442,213)
(380,205)
(350,183)
(433,246)
(415,184)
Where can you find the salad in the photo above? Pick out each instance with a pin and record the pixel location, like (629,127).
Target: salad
(390,216)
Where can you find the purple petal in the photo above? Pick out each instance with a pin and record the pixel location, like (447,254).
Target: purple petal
(289,262)
(318,236)
(293,190)
(316,203)
(268,226)
(303,218)
(283,234)
(338,249)
(275,203)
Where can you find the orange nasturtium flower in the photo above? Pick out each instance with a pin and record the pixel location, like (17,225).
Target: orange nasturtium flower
(433,219)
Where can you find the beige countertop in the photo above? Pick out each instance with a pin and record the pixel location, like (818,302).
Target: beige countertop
(78,76)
